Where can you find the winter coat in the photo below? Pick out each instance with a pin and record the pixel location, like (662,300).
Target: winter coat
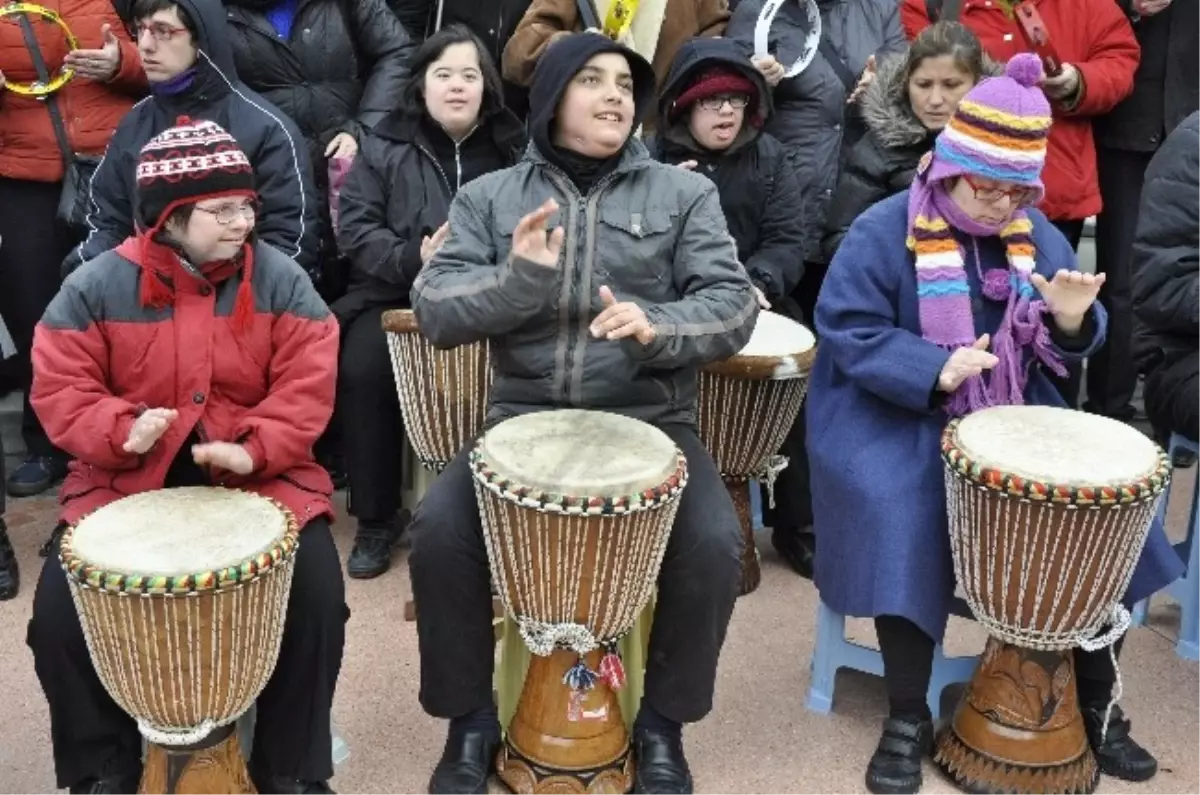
(874,428)
(90,110)
(1093,36)
(1166,86)
(811,114)
(754,177)
(398,192)
(654,234)
(283,172)
(100,358)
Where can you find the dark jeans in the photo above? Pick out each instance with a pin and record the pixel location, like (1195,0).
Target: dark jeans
(292,738)
(697,588)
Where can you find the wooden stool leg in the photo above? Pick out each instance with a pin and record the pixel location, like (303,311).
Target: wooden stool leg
(216,766)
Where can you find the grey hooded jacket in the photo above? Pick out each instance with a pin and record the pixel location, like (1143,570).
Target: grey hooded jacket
(653,233)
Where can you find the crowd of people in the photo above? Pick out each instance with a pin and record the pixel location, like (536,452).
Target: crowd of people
(194,280)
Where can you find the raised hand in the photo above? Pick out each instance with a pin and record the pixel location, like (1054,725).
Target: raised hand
(100,65)
(867,77)
(342,145)
(431,243)
(771,69)
(1069,296)
(531,241)
(966,362)
(619,320)
(148,429)
(224,455)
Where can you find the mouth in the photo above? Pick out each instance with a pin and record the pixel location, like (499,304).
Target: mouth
(610,117)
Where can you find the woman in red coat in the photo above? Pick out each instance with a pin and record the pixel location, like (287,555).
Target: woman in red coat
(108,80)
(190,355)
(1100,55)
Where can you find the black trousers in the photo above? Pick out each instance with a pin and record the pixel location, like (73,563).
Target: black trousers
(1112,374)
(1069,387)
(908,665)
(372,425)
(697,588)
(32,247)
(292,739)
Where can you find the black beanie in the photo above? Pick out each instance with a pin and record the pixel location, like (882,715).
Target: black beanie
(559,64)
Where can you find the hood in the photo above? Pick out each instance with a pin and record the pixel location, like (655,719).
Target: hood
(695,56)
(887,111)
(212,34)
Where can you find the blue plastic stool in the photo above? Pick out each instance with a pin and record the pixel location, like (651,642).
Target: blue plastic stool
(1185,590)
(832,651)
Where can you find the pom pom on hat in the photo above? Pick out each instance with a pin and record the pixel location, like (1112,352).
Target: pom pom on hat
(1025,68)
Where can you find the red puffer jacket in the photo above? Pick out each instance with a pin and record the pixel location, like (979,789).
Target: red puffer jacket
(1093,36)
(90,110)
(100,357)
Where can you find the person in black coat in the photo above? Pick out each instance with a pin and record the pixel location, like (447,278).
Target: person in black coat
(335,67)
(904,108)
(1164,93)
(451,127)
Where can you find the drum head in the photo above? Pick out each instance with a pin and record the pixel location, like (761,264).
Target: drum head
(779,349)
(575,452)
(1055,445)
(179,532)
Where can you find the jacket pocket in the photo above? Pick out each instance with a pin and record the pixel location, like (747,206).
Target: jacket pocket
(635,251)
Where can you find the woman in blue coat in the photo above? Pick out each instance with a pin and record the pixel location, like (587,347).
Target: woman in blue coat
(914,334)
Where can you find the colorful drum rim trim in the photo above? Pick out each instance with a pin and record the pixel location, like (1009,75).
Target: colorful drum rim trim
(37,88)
(215,581)
(1147,487)
(575,505)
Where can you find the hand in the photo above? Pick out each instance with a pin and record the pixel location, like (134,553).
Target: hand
(431,243)
(224,455)
(771,69)
(342,145)
(688,165)
(966,362)
(761,297)
(1148,8)
(100,65)
(3,82)
(148,429)
(1069,296)
(532,242)
(867,77)
(1062,86)
(621,320)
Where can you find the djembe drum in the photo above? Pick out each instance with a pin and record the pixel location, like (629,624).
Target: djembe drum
(577,507)
(745,407)
(443,392)
(182,595)
(1048,509)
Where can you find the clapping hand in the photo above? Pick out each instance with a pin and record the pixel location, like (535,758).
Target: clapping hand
(965,363)
(431,243)
(531,241)
(148,428)
(224,455)
(100,65)
(867,77)
(620,320)
(1069,296)
(342,145)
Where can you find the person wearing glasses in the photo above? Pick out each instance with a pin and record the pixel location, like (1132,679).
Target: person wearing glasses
(193,354)
(950,297)
(187,56)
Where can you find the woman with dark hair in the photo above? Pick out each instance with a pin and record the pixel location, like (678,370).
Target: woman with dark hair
(451,127)
(911,99)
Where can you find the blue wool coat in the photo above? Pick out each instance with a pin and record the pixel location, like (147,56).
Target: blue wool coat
(879,499)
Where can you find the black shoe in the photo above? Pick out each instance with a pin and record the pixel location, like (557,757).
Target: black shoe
(1119,755)
(103,785)
(373,545)
(895,768)
(37,474)
(466,763)
(1183,458)
(10,575)
(661,765)
(277,785)
(797,547)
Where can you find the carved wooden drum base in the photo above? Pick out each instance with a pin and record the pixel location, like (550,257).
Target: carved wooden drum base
(1018,728)
(214,766)
(525,775)
(739,492)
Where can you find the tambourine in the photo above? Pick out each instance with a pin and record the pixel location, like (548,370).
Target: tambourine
(38,89)
(812,38)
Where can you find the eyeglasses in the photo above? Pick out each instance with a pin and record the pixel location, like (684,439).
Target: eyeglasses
(228,213)
(1020,197)
(736,101)
(159,31)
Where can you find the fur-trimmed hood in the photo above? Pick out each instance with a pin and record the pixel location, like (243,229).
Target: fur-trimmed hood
(886,109)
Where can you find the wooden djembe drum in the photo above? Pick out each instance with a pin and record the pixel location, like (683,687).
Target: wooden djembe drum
(1049,510)
(577,508)
(745,407)
(182,595)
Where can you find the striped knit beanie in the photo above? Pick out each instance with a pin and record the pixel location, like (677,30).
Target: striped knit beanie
(998,132)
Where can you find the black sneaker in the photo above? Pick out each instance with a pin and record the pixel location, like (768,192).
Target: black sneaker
(373,545)
(797,547)
(1119,755)
(10,575)
(895,768)
(37,474)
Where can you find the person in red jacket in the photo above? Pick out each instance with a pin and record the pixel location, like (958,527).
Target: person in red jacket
(1100,54)
(192,354)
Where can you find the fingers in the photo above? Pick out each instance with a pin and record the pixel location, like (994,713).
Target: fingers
(688,165)
(107,34)
(537,218)
(982,343)
(556,240)
(871,63)
(606,296)
(632,328)
(763,303)
(977,359)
